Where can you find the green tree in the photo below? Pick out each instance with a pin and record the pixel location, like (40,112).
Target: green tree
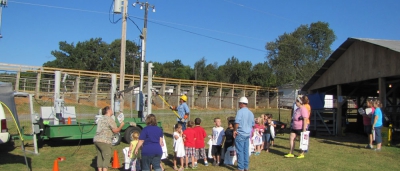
(174,69)
(235,72)
(261,75)
(200,69)
(92,55)
(211,72)
(295,57)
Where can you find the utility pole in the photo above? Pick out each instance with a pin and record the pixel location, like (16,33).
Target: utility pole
(3,3)
(123,53)
(146,5)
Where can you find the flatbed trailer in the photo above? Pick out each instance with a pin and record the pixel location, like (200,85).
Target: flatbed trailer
(85,129)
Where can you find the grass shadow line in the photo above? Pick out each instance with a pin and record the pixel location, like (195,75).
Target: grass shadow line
(338,143)
(168,135)
(7,158)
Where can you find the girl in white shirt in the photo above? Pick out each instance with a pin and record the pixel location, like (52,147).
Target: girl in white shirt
(179,148)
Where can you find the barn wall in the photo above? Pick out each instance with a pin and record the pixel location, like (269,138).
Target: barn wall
(361,61)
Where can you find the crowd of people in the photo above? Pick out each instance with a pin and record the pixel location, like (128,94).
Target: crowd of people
(245,133)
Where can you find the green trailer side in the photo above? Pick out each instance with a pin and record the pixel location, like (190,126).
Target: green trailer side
(86,129)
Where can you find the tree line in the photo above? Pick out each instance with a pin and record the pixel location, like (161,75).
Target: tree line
(292,58)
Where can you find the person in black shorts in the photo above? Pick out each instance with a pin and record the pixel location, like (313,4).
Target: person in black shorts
(228,139)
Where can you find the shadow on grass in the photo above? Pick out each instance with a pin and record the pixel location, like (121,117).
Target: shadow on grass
(7,158)
(168,135)
(350,140)
(94,163)
(229,167)
(339,143)
(63,143)
(278,152)
(282,138)
(281,147)
(168,162)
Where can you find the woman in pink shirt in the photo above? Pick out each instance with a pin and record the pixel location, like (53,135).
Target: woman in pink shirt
(367,123)
(299,125)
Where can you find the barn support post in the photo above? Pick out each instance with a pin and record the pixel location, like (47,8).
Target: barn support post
(191,96)
(76,89)
(157,100)
(382,91)
(16,88)
(37,87)
(228,100)
(215,101)
(243,93)
(202,99)
(253,100)
(173,99)
(95,88)
(339,110)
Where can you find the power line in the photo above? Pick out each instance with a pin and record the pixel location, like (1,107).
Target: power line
(218,39)
(217,31)
(82,10)
(261,11)
(50,6)
(135,25)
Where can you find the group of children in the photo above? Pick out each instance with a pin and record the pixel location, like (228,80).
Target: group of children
(263,134)
(189,144)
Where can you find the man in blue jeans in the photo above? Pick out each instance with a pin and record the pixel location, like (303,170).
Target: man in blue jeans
(244,122)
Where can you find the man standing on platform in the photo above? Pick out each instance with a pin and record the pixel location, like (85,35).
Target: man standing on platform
(244,122)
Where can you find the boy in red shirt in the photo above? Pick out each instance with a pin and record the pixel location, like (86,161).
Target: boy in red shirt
(199,142)
(189,138)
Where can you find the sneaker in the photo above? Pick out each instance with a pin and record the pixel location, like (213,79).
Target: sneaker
(181,169)
(377,150)
(301,156)
(289,155)
(214,163)
(369,146)
(206,164)
(195,165)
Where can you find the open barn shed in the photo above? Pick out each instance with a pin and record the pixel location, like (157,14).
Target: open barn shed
(359,69)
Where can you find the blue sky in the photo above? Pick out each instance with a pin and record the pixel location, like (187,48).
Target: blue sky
(31,29)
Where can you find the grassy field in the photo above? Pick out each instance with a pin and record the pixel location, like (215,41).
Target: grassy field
(326,153)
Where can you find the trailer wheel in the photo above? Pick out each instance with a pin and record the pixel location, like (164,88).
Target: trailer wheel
(116,139)
(129,131)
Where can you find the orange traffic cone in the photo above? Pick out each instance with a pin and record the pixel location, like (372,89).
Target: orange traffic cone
(55,165)
(115,163)
(69,121)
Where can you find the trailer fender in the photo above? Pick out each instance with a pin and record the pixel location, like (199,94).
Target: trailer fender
(129,131)
(133,124)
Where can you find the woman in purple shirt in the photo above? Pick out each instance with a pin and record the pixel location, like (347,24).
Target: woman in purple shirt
(151,138)
(299,117)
